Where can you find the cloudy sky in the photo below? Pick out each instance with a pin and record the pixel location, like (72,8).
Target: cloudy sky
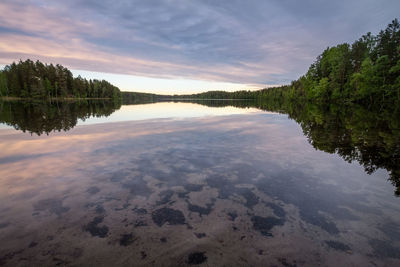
(181,46)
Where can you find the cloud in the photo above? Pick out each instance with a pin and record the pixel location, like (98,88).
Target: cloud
(248,42)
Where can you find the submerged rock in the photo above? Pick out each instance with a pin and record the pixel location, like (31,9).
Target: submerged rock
(165,197)
(278,210)
(167,215)
(140,223)
(264,225)
(286,263)
(126,240)
(337,245)
(95,230)
(33,244)
(251,198)
(200,210)
(93,190)
(196,258)
(232,215)
(139,211)
(384,249)
(4,225)
(193,187)
(51,205)
(200,235)
(99,209)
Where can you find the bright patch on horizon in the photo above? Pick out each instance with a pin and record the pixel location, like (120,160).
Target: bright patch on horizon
(134,83)
(169,110)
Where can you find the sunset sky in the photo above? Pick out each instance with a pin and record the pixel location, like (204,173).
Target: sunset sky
(182,46)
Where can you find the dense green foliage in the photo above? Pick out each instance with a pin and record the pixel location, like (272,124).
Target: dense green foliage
(134,97)
(29,79)
(218,95)
(368,71)
(347,103)
(365,72)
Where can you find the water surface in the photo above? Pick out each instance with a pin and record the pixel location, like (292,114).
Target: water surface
(246,187)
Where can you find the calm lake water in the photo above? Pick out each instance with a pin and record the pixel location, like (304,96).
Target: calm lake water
(175,184)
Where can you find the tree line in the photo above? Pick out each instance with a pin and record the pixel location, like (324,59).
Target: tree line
(28,79)
(135,97)
(243,94)
(365,72)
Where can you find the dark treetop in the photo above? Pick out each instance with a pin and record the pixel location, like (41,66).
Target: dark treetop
(28,79)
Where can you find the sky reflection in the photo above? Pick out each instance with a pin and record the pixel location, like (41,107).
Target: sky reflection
(164,110)
(247,186)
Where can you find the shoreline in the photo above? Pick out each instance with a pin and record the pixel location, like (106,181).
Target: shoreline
(12,98)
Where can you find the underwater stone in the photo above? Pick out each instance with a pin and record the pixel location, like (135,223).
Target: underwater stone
(167,215)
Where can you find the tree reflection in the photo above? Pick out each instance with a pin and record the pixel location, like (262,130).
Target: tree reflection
(371,137)
(368,136)
(45,117)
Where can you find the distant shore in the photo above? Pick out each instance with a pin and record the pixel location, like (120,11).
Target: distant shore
(12,98)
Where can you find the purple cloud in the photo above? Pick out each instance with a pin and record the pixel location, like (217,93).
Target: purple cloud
(248,42)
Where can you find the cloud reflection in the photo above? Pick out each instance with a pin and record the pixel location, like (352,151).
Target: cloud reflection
(220,184)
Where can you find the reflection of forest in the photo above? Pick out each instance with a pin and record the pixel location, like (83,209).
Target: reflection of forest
(45,117)
(369,136)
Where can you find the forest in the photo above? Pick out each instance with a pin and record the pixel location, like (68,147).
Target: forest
(366,72)
(28,79)
(135,97)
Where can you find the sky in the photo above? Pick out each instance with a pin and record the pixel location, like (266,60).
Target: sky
(185,46)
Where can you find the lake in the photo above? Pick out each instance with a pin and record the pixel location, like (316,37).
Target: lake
(207,182)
